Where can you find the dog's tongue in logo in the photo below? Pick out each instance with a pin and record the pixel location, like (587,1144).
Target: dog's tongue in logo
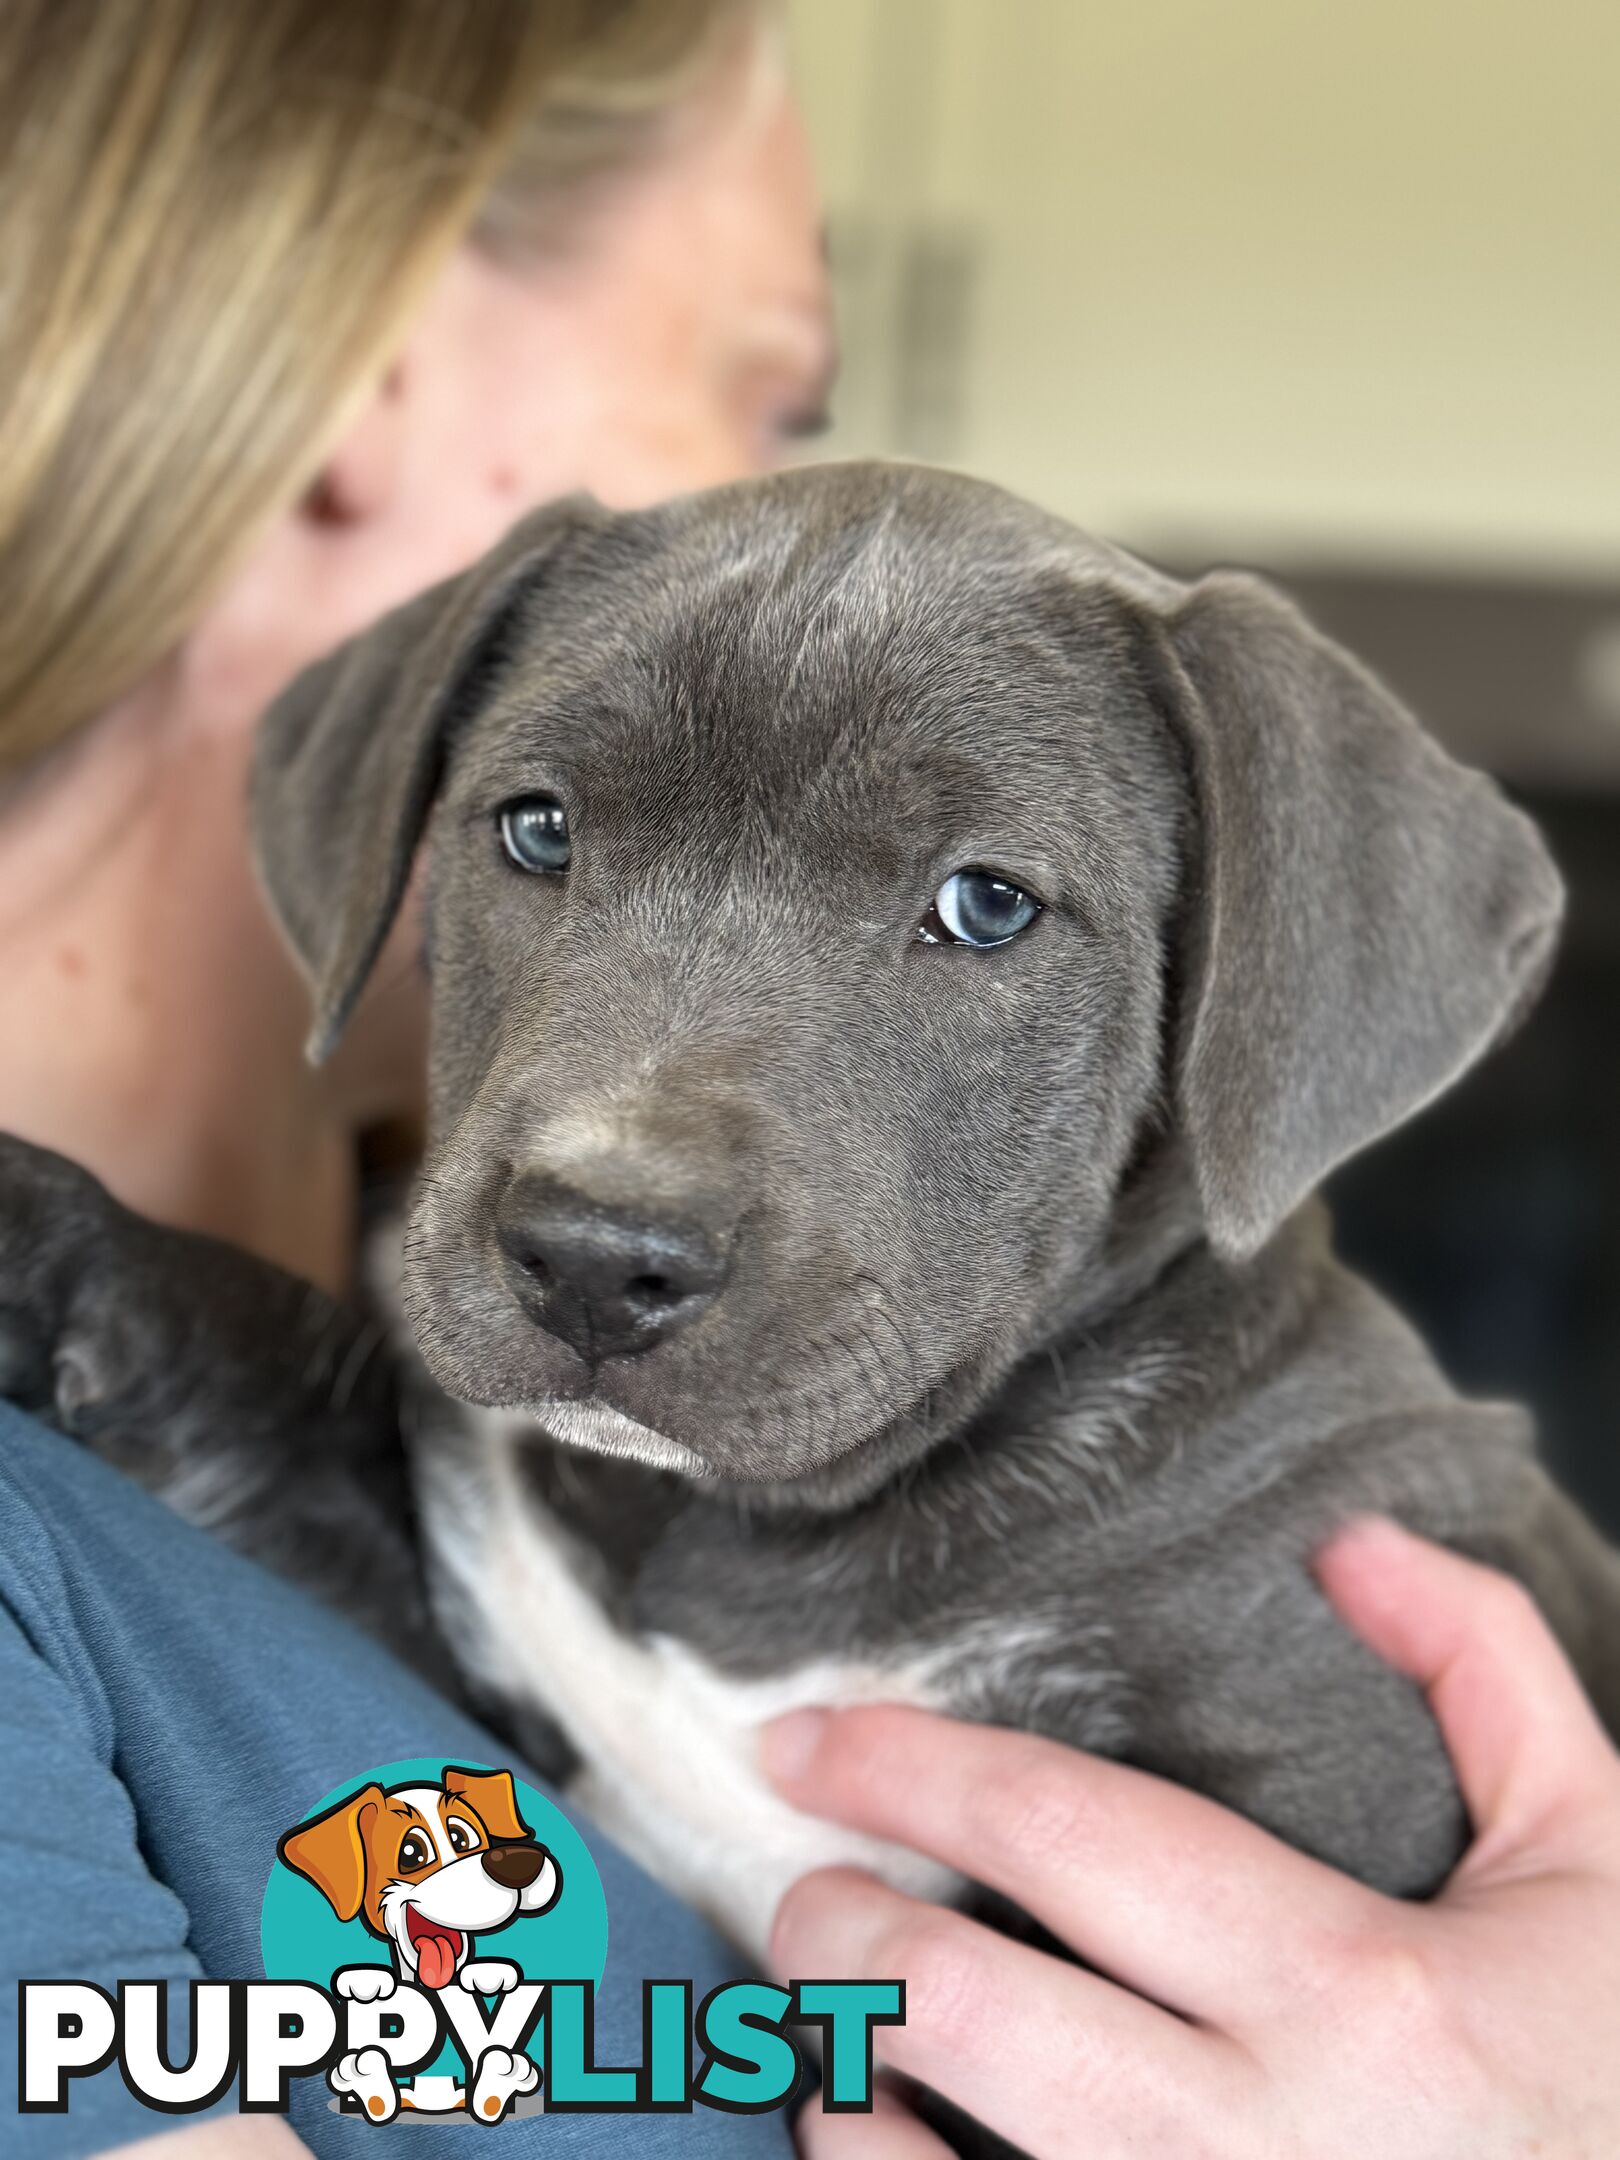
(437,1949)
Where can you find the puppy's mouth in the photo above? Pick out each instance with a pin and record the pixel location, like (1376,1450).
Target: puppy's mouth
(438,1949)
(597,1429)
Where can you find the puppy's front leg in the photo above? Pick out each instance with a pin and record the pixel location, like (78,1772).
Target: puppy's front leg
(247,1400)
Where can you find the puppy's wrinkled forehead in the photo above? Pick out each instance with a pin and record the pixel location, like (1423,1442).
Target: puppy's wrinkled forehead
(778,674)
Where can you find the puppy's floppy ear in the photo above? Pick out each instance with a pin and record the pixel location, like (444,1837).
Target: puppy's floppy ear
(330,1850)
(348,760)
(1367,918)
(492,1796)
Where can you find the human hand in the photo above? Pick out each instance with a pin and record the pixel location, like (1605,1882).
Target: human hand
(1247,2001)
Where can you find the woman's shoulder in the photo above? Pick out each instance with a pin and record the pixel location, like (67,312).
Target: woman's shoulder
(172,1711)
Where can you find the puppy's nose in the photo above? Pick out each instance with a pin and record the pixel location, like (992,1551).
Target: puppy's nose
(608,1280)
(514,1867)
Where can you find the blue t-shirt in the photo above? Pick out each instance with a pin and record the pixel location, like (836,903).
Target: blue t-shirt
(166,1711)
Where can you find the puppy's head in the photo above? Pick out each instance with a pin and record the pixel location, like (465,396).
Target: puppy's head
(845,893)
(427,1867)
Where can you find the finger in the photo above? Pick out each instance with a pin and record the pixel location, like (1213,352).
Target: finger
(1169,1892)
(1027,2044)
(1524,1740)
(890,2132)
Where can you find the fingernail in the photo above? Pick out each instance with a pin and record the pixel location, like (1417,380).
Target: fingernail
(1366,1533)
(787,1745)
(1371,1530)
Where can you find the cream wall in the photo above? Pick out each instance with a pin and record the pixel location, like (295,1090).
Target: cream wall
(1303,280)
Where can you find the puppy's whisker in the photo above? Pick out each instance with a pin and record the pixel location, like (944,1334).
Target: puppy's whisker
(879,1389)
(367,1342)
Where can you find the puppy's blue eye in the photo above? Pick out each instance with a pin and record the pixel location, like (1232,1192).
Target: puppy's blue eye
(978,908)
(534,833)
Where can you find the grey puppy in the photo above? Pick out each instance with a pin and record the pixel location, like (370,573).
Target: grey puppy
(899,970)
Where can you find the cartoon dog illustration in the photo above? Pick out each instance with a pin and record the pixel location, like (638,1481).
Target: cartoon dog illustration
(427,1868)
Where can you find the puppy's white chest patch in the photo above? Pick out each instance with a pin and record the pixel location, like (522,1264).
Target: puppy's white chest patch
(668,1742)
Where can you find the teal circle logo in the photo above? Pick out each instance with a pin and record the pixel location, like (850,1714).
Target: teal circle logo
(439,1900)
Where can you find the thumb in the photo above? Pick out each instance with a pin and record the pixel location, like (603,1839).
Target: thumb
(1524,1741)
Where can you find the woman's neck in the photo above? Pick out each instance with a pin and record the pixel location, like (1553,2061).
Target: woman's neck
(150,1020)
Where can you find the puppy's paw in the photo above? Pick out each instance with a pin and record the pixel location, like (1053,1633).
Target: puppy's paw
(363,2074)
(25,1359)
(489,1976)
(365,1983)
(66,1246)
(502,2077)
(44,1199)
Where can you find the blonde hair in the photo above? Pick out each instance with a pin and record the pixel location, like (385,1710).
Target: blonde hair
(215,216)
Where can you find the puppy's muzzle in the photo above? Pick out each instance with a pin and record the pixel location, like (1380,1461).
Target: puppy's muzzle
(608,1280)
(514,1867)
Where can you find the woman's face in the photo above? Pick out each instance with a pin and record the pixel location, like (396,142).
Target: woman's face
(684,338)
